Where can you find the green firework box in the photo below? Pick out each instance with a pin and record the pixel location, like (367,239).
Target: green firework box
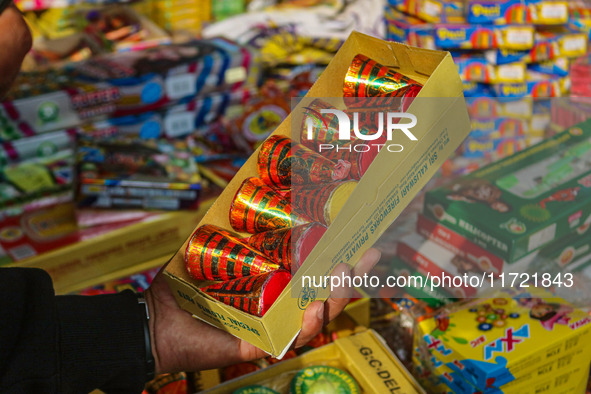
(523,202)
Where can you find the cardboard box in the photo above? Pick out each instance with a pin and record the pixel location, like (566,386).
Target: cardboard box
(126,83)
(408,29)
(365,356)
(77,266)
(500,340)
(515,37)
(490,107)
(524,202)
(503,12)
(477,69)
(434,11)
(481,258)
(362,219)
(537,85)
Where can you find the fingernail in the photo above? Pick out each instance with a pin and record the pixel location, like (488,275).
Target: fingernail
(320,312)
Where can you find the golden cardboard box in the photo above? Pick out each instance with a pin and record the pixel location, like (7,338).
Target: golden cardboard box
(383,192)
(364,355)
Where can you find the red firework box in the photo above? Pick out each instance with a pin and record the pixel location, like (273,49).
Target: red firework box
(332,203)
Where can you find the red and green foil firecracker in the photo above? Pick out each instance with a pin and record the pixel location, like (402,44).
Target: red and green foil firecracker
(288,246)
(323,128)
(373,86)
(322,203)
(216,254)
(283,162)
(258,208)
(359,153)
(251,294)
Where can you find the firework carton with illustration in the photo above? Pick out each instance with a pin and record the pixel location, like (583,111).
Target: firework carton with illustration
(477,69)
(512,37)
(433,11)
(508,340)
(408,29)
(524,202)
(126,83)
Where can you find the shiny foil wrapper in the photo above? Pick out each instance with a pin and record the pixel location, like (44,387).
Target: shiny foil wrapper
(282,162)
(257,208)
(322,203)
(373,86)
(288,246)
(324,128)
(357,152)
(215,254)
(251,294)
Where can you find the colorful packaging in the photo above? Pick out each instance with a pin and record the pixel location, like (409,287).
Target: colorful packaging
(408,29)
(127,83)
(434,11)
(348,365)
(477,69)
(523,202)
(468,252)
(489,107)
(501,12)
(435,296)
(512,37)
(508,341)
(559,66)
(504,12)
(498,127)
(495,148)
(538,85)
(439,132)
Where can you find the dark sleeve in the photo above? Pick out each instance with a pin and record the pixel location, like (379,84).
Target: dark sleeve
(67,344)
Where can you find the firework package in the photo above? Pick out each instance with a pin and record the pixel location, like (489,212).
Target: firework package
(300,206)
(512,342)
(524,202)
(125,83)
(357,364)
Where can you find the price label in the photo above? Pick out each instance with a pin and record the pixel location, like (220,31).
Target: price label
(432,9)
(519,108)
(179,86)
(178,124)
(511,73)
(554,11)
(520,37)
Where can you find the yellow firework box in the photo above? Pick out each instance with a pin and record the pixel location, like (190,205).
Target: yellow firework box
(515,341)
(363,356)
(386,188)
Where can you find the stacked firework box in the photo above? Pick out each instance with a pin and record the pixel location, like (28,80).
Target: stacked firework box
(526,214)
(159,95)
(510,342)
(360,363)
(512,56)
(213,275)
(183,15)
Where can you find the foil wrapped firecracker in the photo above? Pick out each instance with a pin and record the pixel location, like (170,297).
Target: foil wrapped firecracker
(283,162)
(215,254)
(288,246)
(251,294)
(322,203)
(257,208)
(372,86)
(318,128)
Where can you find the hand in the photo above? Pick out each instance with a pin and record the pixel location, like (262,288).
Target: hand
(182,343)
(15,42)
